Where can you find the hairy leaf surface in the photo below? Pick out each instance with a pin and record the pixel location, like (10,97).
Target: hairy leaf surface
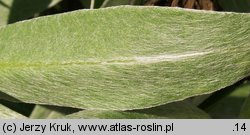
(123,58)
(177,110)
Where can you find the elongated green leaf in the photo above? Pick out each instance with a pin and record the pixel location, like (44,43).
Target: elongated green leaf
(102,114)
(49,112)
(7,113)
(181,109)
(176,110)
(123,57)
(42,112)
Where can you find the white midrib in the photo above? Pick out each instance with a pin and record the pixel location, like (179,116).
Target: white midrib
(155,58)
(117,61)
